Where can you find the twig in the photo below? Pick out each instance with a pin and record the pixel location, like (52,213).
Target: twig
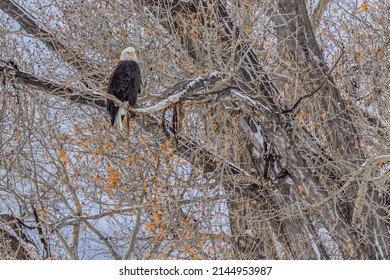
(317,89)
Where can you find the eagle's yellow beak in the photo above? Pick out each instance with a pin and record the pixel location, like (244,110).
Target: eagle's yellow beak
(132,54)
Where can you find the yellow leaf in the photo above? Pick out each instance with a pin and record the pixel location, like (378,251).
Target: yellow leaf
(113,176)
(109,146)
(194,34)
(350,246)
(129,160)
(160,67)
(132,124)
(359,56)
(323,32)
(311,127)
(150,227)
(186,64)
(156,219)
(107,190)
(63,155)
(44,213)
(247,29)
(323,115)
(144,185)
(148,256)
(119,30)
(364,7)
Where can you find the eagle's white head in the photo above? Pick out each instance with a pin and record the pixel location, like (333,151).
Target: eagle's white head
(129,54)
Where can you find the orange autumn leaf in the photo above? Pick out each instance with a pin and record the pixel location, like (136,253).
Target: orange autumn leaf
(144,185)
(311,127)
(86,144)
(149,256)
(359,55)
(113,176)
(119,30)
(109,146)
(156,218)
(129,160)
(247,29)
(159,67)
(108,191)
(364,7)
(150,227)
(63,155)
(42,212)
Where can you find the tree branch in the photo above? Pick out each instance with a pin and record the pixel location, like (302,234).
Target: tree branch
(30,24)
(317,14)
(52,87)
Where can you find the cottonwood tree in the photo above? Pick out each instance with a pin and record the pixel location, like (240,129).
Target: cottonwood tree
(262,130)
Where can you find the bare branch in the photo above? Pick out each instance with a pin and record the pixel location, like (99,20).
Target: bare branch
(31,25)
(51,87)
(317,14)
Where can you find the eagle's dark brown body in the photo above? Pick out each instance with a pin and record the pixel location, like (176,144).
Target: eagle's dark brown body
(124,84)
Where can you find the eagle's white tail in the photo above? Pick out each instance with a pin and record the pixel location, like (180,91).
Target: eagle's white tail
(120,117)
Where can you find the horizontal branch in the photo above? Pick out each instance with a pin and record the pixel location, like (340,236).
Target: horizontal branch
(11,72)
(375,160)
(31,25)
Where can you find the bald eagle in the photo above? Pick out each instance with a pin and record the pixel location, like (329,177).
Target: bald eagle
(124,84)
